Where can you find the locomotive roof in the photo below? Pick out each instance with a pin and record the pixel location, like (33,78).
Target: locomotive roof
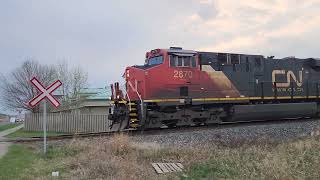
(181,51)
(177,50)
(205,52)
(184,51)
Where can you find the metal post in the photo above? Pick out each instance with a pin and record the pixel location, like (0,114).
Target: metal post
(44,126)
(307,93)
(262,91)
(275,93)
(291,86)
(318,91)
(142,111)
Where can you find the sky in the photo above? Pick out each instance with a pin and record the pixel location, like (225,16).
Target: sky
(104,37)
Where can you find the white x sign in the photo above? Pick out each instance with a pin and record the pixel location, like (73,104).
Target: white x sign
(45,93)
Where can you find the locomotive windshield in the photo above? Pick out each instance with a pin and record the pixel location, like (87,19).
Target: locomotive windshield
(155,60)
(182,61)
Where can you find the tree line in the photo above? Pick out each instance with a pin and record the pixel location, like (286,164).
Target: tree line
(16,89)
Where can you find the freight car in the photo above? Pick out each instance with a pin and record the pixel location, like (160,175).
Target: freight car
(177,87)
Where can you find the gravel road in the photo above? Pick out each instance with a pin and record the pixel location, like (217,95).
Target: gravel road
(5,145)
(270,132)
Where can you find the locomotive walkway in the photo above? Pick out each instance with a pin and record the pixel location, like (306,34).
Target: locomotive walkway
(4,145)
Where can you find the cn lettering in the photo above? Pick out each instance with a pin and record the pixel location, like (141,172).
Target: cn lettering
(289,76)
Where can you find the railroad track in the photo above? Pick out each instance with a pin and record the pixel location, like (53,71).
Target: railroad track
(161,131)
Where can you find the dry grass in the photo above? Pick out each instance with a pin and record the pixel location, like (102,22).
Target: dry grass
(109,159)
(119,158)
(295,160)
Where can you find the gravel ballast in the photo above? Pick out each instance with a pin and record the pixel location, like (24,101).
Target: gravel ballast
(270,132)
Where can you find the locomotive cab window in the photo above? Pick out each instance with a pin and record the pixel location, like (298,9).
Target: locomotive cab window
(222,59)
(155,60)
(235,59)
(257,62)
(182,61)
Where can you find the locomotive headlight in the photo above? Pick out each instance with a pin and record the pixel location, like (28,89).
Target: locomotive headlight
(127,73)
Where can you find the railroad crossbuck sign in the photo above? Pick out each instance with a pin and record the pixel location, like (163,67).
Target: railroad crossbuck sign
(45,93)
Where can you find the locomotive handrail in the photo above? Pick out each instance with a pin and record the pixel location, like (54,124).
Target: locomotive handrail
(128,99)
(142,111)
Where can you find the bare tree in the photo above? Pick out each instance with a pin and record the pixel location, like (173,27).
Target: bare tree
(73,80)
(78,80)
(16,89)
(64,75)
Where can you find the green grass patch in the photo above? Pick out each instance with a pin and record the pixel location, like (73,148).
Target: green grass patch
(15,161)
(24,162)
(61,152)
(21,133)
(7,126)
(213,169)
(55,160)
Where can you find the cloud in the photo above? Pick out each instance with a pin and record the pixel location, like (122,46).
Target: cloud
(254,26)
(295,29)
(236,44)
(106,36)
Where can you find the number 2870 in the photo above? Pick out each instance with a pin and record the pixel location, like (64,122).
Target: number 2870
(182,74)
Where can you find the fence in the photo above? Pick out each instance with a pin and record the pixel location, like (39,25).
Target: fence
(68,123)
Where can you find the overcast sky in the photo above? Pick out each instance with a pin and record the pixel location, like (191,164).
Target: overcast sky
(105,36)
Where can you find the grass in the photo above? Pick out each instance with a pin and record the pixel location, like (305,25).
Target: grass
(295,160)
(15,161)
(8,126)
(21,133)
(55,160)
(118,157)
(28,162)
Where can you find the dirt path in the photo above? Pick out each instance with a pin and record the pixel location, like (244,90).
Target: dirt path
(4,145)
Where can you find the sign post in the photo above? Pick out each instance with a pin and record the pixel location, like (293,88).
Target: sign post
(45,93)
(44,126)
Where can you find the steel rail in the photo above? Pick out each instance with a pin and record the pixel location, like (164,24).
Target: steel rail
(132,132)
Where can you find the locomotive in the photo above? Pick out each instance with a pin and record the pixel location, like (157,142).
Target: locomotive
(177,87)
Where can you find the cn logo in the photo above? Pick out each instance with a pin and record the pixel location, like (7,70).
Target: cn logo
(290,75)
